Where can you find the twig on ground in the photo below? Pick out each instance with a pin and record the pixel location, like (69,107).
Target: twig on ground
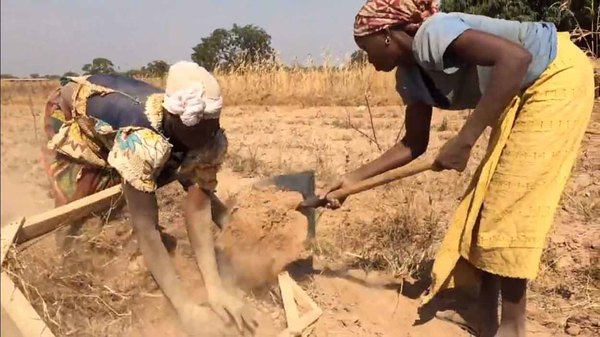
(371,121)
(373,138)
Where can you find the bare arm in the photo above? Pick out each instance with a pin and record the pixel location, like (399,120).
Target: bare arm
(199,219)
(509,62)
(198,215)
(414,144)
(144,216)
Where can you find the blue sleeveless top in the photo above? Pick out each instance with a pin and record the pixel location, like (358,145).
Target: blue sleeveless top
(119,110)
(439,79)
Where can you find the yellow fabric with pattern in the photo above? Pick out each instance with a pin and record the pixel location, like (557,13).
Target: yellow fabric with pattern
(506,213)
(85,90)
(139,155)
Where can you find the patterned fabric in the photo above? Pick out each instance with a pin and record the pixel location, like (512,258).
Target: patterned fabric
(154,110)
(85,90)
(137,154)
(69,180)
(377,15)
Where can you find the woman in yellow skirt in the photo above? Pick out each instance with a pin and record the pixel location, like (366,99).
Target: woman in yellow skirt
(528,82)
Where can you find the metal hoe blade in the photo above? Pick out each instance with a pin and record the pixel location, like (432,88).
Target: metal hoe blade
(301,182)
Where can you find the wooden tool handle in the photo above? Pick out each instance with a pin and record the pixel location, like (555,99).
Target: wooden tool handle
(384,178)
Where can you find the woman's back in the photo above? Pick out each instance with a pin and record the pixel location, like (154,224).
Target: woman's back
(120,110)
(460,85)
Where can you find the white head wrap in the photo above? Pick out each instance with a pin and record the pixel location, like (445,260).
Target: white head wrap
(192,93)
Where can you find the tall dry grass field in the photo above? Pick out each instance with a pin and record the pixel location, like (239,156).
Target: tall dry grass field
(266,85)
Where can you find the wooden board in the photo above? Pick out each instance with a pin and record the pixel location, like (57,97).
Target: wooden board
(291,293)
(23,317)
(289,303)
(7,237)
(43,223)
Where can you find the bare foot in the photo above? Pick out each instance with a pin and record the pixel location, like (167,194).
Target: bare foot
(511,329)
(454,317)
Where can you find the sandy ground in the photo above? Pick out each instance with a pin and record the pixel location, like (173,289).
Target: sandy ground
(272,140)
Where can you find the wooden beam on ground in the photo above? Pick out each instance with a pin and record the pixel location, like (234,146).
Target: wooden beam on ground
(289,303)
(291,293)
(8,235)
(22,315)
(43,223)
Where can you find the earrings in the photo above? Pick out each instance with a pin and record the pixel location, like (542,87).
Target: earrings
(387,36)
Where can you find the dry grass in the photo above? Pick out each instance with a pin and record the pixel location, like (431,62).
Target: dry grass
(400,239)
(270,86)
(74,296)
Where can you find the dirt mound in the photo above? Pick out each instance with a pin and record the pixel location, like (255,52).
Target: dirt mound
(265,233)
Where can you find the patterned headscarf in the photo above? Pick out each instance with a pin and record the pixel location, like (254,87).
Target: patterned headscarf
(377,15)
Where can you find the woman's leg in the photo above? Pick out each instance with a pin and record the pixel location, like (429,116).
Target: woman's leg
(514,302)
(488,304)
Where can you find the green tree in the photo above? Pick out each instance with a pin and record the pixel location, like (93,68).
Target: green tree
(565,14)
(240,45)
(70,74)
(34,76)
(134,73)
(155,69)
(577,16)
(99,65)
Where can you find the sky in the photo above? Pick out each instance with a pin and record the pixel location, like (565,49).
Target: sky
(55,36)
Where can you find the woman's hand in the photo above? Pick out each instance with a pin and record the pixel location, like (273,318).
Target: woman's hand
(344,181)
(198,216)
(454,155)
(198,320)
(229,308)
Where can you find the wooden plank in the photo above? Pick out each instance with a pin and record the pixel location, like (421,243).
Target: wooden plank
(7,237)
(304,322)
(289,304)
(43,223)
(22,315)
(302,298)
(290,293)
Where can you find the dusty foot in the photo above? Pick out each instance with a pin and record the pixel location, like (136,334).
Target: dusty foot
(455,318)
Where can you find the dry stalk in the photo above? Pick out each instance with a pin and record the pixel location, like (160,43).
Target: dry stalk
(371,122)
(33,115)
(371,139)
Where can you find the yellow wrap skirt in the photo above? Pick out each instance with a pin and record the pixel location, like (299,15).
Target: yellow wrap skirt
(502,222)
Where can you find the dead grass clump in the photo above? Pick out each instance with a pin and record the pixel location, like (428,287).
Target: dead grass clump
(445,125)
(398,239)
(245,161)
(567,297)
(398,242)
(84,294)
